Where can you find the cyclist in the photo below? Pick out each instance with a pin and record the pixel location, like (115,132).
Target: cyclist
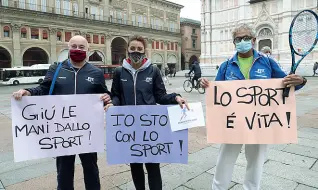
(195,67)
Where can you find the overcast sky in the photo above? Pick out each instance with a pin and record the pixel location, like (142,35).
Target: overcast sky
(192,8)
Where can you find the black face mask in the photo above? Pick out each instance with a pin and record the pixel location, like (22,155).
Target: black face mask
(136,57)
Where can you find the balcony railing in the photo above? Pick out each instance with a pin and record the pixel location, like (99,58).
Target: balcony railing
(83,15)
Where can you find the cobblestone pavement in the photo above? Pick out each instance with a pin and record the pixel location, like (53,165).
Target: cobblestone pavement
(288,167)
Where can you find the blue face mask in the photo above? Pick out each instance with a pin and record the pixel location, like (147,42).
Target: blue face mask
(243,46)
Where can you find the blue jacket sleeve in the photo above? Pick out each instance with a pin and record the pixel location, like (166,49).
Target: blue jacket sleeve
(278,72)
(220,76)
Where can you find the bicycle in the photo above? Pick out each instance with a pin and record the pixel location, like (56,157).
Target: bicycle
(188,87)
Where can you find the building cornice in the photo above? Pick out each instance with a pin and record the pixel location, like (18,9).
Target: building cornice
(168,3)
(43,19)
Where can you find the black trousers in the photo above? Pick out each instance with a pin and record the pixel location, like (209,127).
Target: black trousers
(154,176)
(65,171)
(195,78)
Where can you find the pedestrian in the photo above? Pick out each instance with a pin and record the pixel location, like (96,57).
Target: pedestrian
(246,64)
(166,70)
(267,50)
(315,68)
(195,67)
(82,78)
(138,82)
(174,72)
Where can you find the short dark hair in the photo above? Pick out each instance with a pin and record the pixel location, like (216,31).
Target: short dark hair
(139,39)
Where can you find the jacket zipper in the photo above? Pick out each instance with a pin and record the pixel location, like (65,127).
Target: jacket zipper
(135,79)
(249,72)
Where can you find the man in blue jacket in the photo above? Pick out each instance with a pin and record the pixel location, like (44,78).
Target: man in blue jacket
(76,76)
(247,63)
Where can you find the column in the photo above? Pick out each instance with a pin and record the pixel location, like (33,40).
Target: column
(81,7)
(53,40)
(16,57)
(207,30)
(166,53)
(108,49)
(51,6)
(202,31)
(149,47)
(130,12)
(178,66)
(106,9)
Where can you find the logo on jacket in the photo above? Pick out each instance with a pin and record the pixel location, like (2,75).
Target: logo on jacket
(90,79)
(148,79)
(260,71)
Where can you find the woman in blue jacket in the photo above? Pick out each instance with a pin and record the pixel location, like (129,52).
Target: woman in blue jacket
(247,63)
(138,82)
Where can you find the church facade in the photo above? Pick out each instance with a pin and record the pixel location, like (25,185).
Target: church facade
(270,19)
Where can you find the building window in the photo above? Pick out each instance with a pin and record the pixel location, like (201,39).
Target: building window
(44,35)
(88,38)
(102,39)
(23,33)
(75,9)
(59,36)
(43,5)
(193,30)
(93,12)
(6,32)
(161,45)
(95,39)
(193,44)
(172,46)
(168,46)
(68,36)
(58,7)
(67,7)
(176,46)
(22,4)
(35,33)
(153,45)
(5,2)
(157,45)
(33,4)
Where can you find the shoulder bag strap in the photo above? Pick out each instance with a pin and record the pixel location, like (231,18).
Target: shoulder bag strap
(54,78)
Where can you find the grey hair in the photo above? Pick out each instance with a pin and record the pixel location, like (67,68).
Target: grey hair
(265,49)
(243,27)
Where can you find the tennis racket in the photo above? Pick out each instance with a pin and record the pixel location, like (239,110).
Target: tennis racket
(303,36)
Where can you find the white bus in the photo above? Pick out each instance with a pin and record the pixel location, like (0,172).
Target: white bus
(24,75)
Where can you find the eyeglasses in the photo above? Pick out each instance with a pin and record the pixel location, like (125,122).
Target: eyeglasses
(239,39)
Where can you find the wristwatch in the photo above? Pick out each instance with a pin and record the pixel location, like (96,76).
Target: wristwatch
(304,81)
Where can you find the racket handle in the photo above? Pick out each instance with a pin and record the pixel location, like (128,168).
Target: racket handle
(286,92)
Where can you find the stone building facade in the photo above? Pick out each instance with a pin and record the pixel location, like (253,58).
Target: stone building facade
(191,42)
(37,31)
(271,20)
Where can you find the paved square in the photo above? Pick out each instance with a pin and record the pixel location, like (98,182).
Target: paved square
(288,167)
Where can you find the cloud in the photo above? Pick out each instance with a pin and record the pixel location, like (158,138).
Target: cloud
(192,8)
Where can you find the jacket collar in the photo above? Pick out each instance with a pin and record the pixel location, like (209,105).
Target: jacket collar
(234,59)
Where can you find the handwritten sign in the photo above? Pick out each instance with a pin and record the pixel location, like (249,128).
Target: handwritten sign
(181,119)
(50,126)
(142,134)
(250,112)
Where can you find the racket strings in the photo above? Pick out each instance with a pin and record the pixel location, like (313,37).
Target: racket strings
(304,32)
